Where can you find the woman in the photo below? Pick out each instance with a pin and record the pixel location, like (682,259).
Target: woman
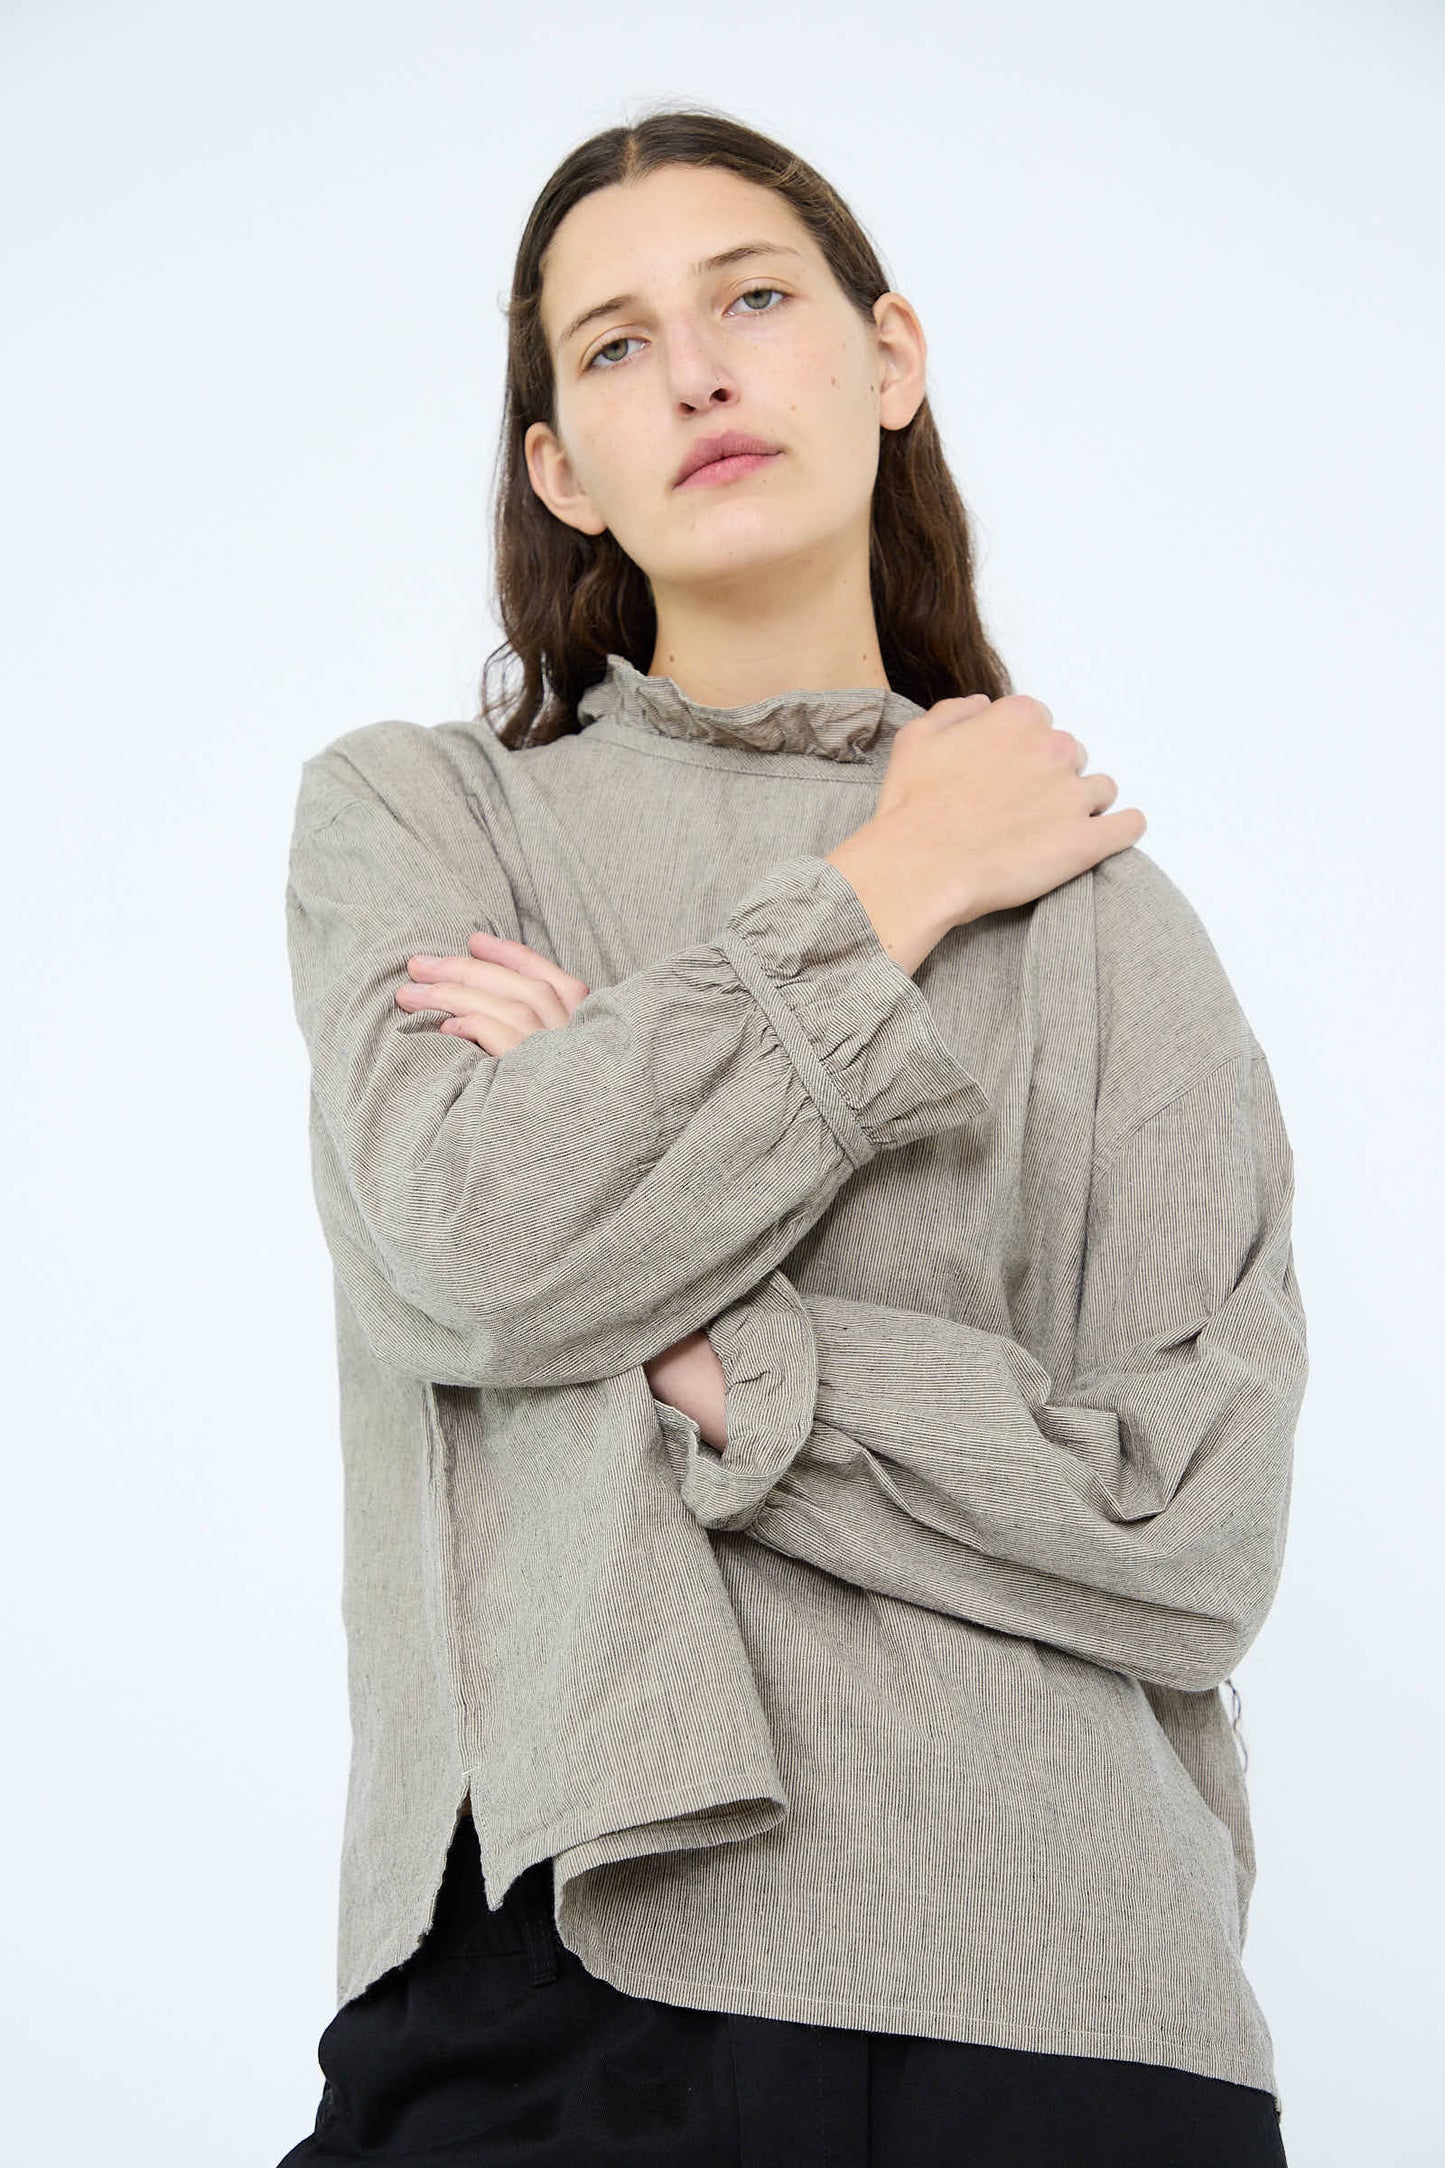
(786,1704)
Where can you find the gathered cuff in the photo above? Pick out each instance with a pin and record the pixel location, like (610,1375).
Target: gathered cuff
(765,1345)
(859,1029)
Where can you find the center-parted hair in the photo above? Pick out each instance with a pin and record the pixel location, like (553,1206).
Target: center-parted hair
(565,600)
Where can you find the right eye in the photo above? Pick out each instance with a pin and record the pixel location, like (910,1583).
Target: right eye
(621,340)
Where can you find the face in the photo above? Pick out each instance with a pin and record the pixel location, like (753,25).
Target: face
(767,345)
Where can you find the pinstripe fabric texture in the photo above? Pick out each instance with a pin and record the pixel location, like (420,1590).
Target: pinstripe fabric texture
(903,1712)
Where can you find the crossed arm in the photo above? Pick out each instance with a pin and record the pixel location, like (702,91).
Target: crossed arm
(1133,1515)
(534,1220)
(1137,1516)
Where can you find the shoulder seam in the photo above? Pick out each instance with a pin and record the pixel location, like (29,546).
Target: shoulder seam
(327,820)
(1228,1061)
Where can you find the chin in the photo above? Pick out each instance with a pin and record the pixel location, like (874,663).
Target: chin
(754,537)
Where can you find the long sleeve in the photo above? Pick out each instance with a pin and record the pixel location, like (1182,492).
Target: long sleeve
(1137,1518)
(566,1210)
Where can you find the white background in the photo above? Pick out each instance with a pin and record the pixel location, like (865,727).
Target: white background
(1179,271)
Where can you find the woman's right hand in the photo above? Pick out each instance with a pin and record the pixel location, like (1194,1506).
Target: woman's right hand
(984,805)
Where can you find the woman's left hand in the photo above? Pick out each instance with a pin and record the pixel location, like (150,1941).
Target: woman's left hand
(498,994)
(688,1375)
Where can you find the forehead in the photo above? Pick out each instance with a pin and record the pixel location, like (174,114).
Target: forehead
(651,232)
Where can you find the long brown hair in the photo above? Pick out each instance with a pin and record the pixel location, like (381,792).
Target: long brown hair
(566,600)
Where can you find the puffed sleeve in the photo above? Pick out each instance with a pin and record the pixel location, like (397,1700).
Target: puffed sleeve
(1136,1514)
(568,1209)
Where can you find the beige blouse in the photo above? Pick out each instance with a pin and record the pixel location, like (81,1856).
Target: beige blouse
(904,1712)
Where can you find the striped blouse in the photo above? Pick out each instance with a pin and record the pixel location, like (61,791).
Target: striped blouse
(903,1711)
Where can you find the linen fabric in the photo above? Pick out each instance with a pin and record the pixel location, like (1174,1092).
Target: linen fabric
(904,1711)
(493,2043)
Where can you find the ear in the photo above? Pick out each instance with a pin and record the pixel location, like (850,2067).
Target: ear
(555,481)
(902,353)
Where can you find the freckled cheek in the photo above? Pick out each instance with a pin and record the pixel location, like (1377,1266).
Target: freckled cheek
(616,457)
(833,368)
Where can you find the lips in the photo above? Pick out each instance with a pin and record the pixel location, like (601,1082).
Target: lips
(708,450)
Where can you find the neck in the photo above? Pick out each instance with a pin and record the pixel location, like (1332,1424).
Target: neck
(760,639)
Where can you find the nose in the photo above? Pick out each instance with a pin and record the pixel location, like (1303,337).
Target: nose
(697,375)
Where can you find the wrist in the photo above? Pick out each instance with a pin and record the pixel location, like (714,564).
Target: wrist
(907,916)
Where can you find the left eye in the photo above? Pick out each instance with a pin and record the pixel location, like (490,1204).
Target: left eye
(761,290)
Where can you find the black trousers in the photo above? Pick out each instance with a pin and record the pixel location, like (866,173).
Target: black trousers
(492,2044)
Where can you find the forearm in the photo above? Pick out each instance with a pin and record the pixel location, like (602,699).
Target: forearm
(570,1209)
(1137,1515)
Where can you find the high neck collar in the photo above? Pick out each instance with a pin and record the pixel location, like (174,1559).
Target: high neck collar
(846,723)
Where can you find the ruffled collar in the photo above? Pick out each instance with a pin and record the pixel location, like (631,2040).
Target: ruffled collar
(839,723)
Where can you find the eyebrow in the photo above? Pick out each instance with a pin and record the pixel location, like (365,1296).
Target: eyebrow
(740,254)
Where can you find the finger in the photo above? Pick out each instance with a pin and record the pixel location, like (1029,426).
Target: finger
(552,1007)
(1100,790)
(516,1008)
(528,964)
(488,1032)
(466,981)
(519,957)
